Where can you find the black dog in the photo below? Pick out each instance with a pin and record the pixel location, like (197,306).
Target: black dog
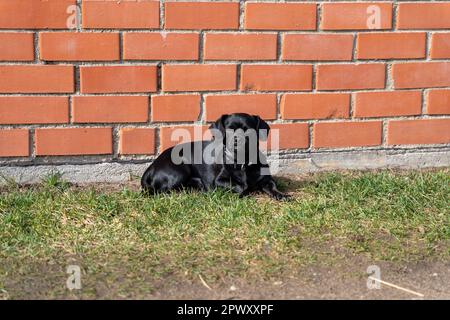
(175,169)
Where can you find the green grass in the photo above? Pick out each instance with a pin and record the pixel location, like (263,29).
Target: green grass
(399,216)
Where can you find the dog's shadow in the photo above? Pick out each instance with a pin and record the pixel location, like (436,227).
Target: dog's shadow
(288,184)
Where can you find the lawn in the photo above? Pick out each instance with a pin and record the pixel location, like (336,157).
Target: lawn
(119,234)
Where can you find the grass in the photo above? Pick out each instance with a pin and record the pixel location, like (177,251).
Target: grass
(385,215)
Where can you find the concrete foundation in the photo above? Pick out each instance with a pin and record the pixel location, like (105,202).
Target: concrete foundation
(293,163)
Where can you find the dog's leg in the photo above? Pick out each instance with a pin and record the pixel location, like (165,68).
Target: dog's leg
(224,180)
(227,184)
(196,183)
(165,178)
(271,189)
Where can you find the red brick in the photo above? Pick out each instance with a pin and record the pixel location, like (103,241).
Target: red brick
(315,106)
(347,134)
(36,79)
(29,110)
(388,104)
(240,46)
(391,45)
(161,46)
(173,108)
(16,46)
(440,46)
(355,16)
(118,79)
(73,141)
(120,14)
(317,47)
(263,105)
(170,136)
(14,143)
(109,109)
(280,16)
(421,75)
(429,131)
(201,15)
(423,15)
(291,135)
(137,141)
(198,77)
(276,77)
(76,46)
(351,76)
(438,102)
(34,14)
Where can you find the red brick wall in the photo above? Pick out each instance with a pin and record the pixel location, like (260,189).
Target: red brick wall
(113,78)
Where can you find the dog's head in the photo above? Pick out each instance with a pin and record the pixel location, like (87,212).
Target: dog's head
(241,133)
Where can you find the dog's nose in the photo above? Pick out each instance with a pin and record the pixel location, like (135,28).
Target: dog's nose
(238,140)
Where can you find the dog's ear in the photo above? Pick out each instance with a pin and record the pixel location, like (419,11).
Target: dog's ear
(262,128)
(219,124)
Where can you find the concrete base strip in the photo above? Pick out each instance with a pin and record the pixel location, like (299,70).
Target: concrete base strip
(115,172)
